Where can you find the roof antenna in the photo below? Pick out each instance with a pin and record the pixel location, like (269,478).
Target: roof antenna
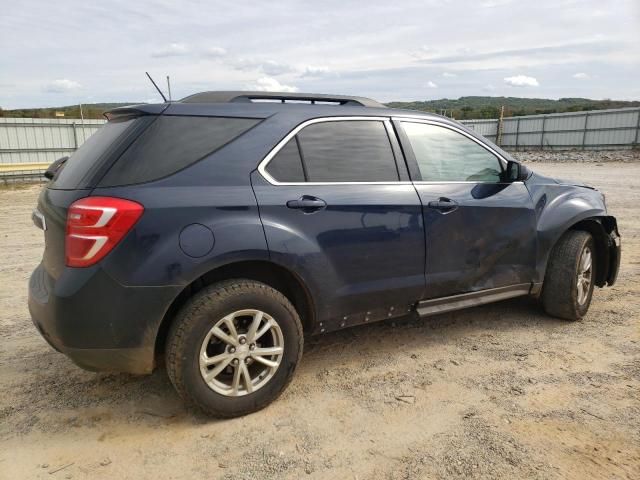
(169,87)
(154,84)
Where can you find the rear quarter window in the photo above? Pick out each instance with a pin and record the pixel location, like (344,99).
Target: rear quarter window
(172,143)
(286,166)
(77,171)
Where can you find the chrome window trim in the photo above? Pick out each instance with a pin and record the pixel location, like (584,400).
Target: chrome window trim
(411,119)
(425,182)
(274,151)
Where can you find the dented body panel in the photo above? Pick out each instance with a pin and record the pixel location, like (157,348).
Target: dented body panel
(560,206)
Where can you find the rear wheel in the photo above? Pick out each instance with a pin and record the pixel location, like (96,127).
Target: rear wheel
(233,348)
(569,280)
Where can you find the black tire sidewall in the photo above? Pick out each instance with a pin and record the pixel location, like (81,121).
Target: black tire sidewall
(559,291)
(204,320)
(584,308)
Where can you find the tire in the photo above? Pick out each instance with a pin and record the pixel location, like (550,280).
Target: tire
(191,341)
(560,294)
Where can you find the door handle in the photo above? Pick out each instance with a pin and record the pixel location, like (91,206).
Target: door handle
(307,203)
(445,205)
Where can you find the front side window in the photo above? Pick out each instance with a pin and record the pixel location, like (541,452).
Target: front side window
(444,155)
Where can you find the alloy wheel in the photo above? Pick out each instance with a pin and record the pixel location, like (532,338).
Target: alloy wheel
(241,352)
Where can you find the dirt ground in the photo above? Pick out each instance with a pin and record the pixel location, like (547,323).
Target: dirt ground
(499,391)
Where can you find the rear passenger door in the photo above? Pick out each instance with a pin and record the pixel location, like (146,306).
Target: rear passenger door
(339,210)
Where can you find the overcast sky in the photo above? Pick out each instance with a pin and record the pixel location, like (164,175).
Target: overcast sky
(61,52)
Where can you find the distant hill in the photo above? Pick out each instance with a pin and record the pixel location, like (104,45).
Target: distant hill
(461,108)
(89,110)
(489,107)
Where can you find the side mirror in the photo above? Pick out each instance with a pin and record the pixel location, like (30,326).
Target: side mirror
(515,172)
(54,167)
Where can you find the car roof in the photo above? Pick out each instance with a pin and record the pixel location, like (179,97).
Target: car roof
(252,104)
(279,97)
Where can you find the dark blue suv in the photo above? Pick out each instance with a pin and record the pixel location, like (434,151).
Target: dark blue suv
(219,230)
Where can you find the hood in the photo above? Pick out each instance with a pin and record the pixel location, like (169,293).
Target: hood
(573,183)
(543,179)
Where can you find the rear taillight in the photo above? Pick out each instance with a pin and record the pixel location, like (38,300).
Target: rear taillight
(95,225)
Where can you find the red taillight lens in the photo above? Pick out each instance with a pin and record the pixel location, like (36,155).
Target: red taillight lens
(95,225)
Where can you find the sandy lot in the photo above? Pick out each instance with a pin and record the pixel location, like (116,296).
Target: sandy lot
(500,391)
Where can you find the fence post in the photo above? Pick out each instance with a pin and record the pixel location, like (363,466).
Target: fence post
(499,132)
(544,119)
(635,142)
(584,130)
(75,136)
(517,131)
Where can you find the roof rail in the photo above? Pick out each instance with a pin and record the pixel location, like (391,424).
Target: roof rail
(283,97)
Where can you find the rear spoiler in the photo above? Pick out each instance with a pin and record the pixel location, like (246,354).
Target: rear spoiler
(136,110)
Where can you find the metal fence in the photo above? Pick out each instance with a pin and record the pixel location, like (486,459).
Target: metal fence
(591,130)
(42,140)
(31,143)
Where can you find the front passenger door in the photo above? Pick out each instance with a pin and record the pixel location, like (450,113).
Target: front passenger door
(480,230)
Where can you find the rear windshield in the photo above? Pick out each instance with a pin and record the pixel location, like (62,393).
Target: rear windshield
(172,143)
(75,172)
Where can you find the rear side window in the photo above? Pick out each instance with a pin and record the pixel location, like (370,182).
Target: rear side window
(172,143)
(89,156)
(347,151)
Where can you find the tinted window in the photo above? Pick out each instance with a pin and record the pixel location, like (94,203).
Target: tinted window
(446,155)
(347,151)
(172,143)
(286,166)
(86,158)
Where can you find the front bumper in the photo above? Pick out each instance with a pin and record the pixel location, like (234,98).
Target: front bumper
(615,253)
(97,322)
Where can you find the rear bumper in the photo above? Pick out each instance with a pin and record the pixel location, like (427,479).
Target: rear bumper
(97,322)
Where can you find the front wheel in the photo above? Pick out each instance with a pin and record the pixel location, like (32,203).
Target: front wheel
(569,280)
(233,348)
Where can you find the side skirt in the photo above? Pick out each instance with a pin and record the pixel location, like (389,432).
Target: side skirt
(465,300)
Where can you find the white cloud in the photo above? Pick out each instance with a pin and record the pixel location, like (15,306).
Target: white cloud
(489,88)
(431,84)
(423,53)
(494,3)
(271,67)
(171,50)
(581,76)
(315,70)
(449,75)
(521,81)
(62,85)
(270,84)
(215,52)
(268,67)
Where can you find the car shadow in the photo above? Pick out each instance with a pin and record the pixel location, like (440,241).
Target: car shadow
(62,395)
(459,328)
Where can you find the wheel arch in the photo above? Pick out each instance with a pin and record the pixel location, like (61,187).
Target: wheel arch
(599,227)
(267,272)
